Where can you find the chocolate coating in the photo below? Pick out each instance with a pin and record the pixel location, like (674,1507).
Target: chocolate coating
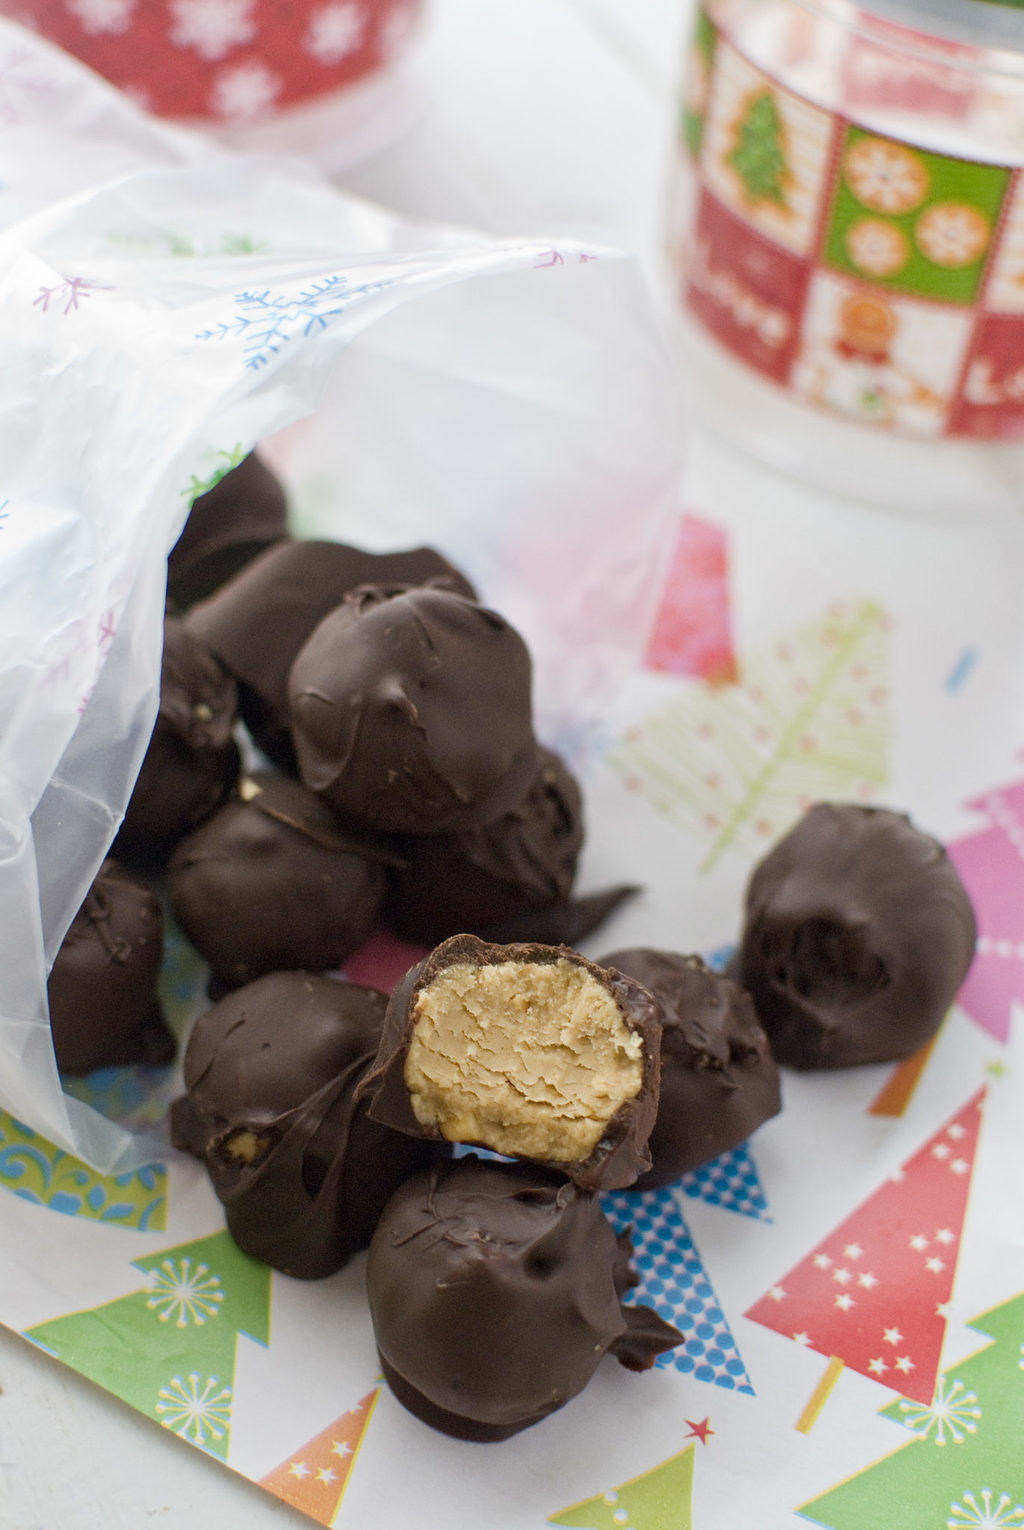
(858,934)
(474,880)
(227,526)
(257,622)
(622,1153)
(271,1073)
(411,711)
(495,1290)
(719,1080)
(272,881)
(102,987)
(192,761)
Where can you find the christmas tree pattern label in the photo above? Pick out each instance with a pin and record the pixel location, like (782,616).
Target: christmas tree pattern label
(877,279)
(874,1295)
(692,629)
(991,863)
(659,1499)
(809,720)
(168,1348)
(314,1477)
(964,1467)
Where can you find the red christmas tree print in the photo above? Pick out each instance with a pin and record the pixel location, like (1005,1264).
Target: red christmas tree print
(314,1477)
(692,631)
(873,1295)
(991,863)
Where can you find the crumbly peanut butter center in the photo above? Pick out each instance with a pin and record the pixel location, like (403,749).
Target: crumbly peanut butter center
(525,1058)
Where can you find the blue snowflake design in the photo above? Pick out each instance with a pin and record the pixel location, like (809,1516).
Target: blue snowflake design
(266,321)
(4,512)
(730,1182)
(674,1282)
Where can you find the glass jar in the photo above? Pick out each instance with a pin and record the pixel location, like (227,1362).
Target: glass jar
(327,79)
(848,237)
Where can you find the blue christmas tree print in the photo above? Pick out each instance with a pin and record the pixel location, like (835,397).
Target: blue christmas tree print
(731,1182)
(674,1282)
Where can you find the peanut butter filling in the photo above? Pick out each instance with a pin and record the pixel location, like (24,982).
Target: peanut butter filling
(527,1058)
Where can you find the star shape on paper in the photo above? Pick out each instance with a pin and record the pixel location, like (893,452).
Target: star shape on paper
(852,1251)
(339,1448)
(943,1309)
(777,1293)
(897,1177)
(944,1235)
(699,1431)
(822,1261)
(956,1131)
(845,1301)
(326,1475)
(298,1469)
(843,1276)
(959,1166)
(935,1265)
(892,1336)
(941,1150)
(919,1242)
(867,1280)
(802,1339)
(877,1367)
(904,1364)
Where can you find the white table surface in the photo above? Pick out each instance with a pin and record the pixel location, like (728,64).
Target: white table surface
(544,116)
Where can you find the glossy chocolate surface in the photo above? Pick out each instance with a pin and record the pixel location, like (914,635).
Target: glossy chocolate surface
(495,1289)
(227,527)
(719,1080)
(858,935)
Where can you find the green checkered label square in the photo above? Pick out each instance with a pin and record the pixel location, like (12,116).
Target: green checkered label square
(913,221)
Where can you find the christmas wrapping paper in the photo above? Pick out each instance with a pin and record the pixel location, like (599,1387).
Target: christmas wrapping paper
(850,1282)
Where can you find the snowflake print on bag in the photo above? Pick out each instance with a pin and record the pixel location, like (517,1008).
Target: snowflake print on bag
(98,16)
(211,27)
(245,93)
(335,31)
(266,321)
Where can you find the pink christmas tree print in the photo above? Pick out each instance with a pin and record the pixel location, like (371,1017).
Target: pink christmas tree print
(383,961)
(874,1294)
(991,863)
(692,630)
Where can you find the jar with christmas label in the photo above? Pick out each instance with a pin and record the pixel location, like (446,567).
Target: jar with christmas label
(847,235)
(332,80)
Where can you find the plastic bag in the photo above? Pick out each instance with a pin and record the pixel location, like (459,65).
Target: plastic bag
(508,401)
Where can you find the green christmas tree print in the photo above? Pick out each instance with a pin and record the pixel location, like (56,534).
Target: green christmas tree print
(737,764)
(964,1467)
(758,155)
(658,1500)
(168,1349)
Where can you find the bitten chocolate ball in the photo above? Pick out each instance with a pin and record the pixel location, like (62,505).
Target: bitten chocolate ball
(411,711)
(273,881)
(192,761)
(257,622)
(227,526)
(531,1051)
(271,1073)
(858,935)
(719,1080)
(102,987)
(495,1289)
(471,881)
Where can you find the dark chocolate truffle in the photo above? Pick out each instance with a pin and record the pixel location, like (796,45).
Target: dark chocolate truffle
(719,1080)
(495,1289)
(102,987)
(411,711)
(271,1073)
(858,934)
(273,881)
(192,761)
(531,1051)
(257,622)
(230,524)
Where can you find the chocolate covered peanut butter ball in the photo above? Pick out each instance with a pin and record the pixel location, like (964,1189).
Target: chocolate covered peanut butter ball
(495,1290)
(272,1073)
(719,1080)
(411,711)
(104,1011)
(531,1051)
(858,935)
(230,524)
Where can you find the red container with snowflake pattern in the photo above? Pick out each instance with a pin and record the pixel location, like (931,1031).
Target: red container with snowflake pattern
(849,229)
(331,79)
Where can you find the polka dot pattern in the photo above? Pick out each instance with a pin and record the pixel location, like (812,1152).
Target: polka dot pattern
(730,1182)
